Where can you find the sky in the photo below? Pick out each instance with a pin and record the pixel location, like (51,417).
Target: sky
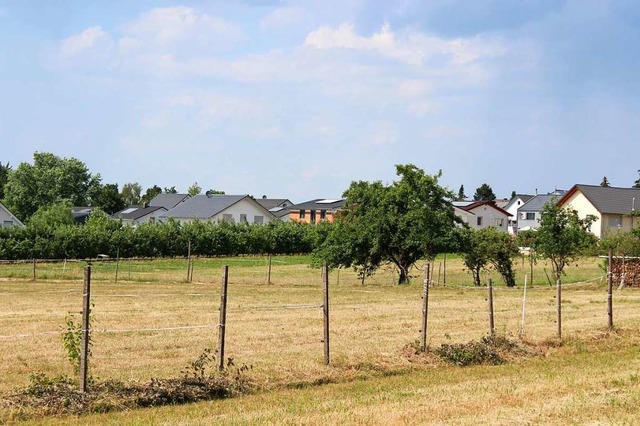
(297,99)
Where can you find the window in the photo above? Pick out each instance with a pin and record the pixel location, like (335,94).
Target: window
(531,216)
(323,214)
(227,217)
(7,223)
(479,221)
(243,218)
(258,219)
(302,212)
(615,221)
(499,222)
(313,216)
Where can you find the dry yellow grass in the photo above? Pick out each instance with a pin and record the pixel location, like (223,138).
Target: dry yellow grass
(272,328)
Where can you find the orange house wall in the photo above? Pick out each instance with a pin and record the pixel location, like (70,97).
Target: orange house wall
(294,215)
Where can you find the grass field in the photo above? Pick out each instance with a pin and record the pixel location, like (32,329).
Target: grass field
(277,329)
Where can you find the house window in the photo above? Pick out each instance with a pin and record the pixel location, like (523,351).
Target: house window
(323,214)
(615,222)
(7,223)
(302,212)
(243,218)
(258,219)
(499,222)
(227,217)
(531,216)
(313,216)
(479,221)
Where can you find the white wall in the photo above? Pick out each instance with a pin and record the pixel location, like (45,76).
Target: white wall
(245,206)
(490,218)
(5,216)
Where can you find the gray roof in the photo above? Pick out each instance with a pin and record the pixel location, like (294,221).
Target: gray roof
(205,207)
(319,204)
(535,204)
(609,199)
(136,212)
(523,197)
(271,203)
(168,201)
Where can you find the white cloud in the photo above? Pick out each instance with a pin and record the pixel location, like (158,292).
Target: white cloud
(91,39)
(283,17)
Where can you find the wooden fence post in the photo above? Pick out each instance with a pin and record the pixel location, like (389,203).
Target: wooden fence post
(425,308)
(85,337)
(223,316)
(325,311)
(610,291)
(189,262)
(559,307)
(524,306)
(444,271)
(34,269)
(491,324)
(117,262)
(269,271)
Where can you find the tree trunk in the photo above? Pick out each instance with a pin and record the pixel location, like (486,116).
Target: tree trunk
(403,275)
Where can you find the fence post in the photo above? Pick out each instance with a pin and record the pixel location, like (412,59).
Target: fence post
(559,307)
(610,290)
(491,324)
(269,271)
(524,306)
(444,271)
(425,308)
(189,262)
(117,262)
(85,337)
(325,311)
(223,316)
(34,269)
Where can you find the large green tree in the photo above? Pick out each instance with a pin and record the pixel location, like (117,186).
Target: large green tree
(484,193)
(636,184)
(490,247)
(562,236)
(48,180)
(400,223)
(131,193)
(4,176)
(107,197)
(150,194)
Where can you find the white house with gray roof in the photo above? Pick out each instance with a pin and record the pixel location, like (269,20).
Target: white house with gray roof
(217,208)
(7,219)
(614,209)
(512,208)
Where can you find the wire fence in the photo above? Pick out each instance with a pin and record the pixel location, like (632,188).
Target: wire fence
(146,328)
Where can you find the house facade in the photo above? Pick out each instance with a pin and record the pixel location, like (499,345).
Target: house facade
(136,215)
(485,214)
(512,208)
(315,211)
(614,209)
(7,219)
(218,208)
(530,213)
(277,206)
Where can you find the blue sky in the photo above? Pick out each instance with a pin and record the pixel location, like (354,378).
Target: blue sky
(296,99)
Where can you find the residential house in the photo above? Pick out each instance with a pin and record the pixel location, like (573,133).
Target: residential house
(135,215)
(467,217)
(512,208)
(81,214)
(219,207)
(530,213)
(485,214)
(613,208)
(7,219)
(316,210)
(278,206)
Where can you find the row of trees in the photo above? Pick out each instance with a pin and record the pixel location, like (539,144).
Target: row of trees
(52,179)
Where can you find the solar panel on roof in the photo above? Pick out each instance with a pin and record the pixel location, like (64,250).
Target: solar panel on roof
(327,201)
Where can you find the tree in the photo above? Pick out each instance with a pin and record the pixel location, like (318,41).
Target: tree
(131,193)
(562,235)
(214,192)
(194,189)
(400,223)
(171,190)
(461,196)
(513,195)
(150,194)
(489,246)
(484,193)
(50,179)
(50,217)
(637,182)
(605,182)
(107,197)
(4,176)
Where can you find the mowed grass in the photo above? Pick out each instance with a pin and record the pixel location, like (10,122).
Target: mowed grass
(141,330)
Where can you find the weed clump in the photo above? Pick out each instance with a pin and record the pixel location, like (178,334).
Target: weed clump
(199,381)
(489,350)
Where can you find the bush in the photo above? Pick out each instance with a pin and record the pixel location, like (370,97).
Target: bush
(486,351)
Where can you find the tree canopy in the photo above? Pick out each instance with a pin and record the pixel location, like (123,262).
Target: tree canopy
(562,235)
(131,193)
(194,189)
(150,194)
(484,193)
(605,182)
(636,184)
(490,247)
(4,176)
(400,223)
(50,179)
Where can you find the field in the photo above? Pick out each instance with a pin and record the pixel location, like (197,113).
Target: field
(152,322)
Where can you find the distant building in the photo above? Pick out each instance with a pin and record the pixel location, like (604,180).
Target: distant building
(277,206)
(7,219)
(530,213)
(317,210)
(219,207)
(482,214)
